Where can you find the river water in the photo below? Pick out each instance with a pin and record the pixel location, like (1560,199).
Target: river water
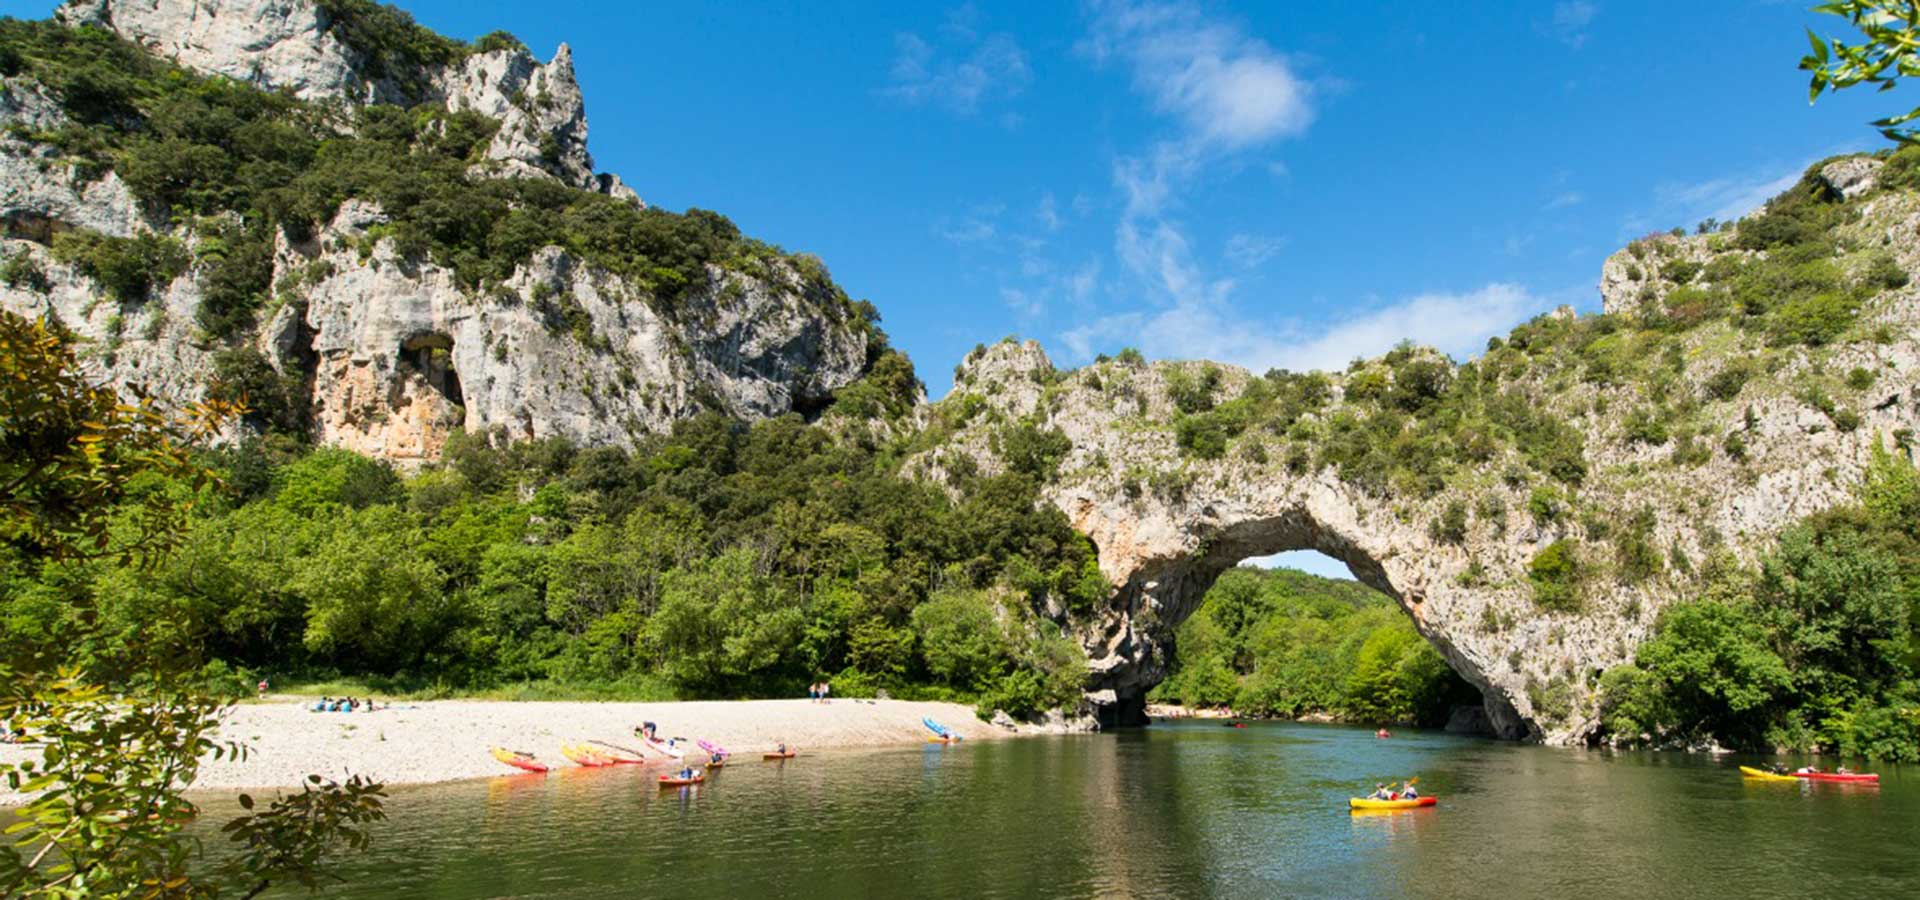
(1185,809)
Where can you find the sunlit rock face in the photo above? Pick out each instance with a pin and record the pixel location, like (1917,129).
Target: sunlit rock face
(390,354)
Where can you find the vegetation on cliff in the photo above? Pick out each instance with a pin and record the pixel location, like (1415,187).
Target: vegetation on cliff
(723,560)
(1285,643)
(1817,647)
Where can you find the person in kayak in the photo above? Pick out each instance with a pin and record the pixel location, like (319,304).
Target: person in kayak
(1806,770)
(1411,793)
(1380,792)
(1843,770)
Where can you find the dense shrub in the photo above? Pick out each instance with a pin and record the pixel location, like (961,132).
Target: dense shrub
(1554,573)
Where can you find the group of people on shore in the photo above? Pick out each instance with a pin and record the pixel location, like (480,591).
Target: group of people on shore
(817,691)
(345,704)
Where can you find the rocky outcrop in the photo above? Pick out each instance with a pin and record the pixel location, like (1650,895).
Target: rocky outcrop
(1167,521)
(296,46)
(391,352)
(1852,177)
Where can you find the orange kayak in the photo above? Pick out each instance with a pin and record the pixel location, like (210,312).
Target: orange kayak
(670,781)
(787,755)
(519,760)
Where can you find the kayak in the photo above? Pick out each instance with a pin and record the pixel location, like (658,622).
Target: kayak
(671,781)
(1852,778)
(1764,775)
(519,760)
(582,756)
(619,756)
(787,755)
(664,747)
(1233,724)
(940,740)
(1359,803)
(713,748)
(940,730)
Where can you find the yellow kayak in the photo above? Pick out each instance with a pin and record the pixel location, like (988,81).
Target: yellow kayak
(1764,775)
(1359,803)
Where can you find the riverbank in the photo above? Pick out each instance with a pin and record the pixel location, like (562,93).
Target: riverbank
(448,740)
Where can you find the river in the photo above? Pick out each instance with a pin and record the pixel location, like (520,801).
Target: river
(1183,809)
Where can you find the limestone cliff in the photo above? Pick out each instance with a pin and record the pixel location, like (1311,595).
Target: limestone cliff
(1634,445)
(386,340)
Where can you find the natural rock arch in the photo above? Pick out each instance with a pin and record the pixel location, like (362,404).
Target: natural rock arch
(1166,521)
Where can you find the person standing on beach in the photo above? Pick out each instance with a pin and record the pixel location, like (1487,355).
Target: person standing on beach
(813,692)
(826,690)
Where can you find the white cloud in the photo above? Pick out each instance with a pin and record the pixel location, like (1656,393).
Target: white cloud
(1456,324)
(1571,20)
(962,74)
(1227,88)
(1249,251)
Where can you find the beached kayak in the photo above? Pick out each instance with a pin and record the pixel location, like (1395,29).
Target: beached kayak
(787,755)
(713,748)
(1851,778)
(582,755)
(619,756)
(939,740)
(519,760)
(1764,775)
(1361,803)
(671,781)
(664,747)
(938,729)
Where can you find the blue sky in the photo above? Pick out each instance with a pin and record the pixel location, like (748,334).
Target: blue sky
(1268,184)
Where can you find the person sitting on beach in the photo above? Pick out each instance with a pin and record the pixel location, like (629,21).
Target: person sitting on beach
(320,706)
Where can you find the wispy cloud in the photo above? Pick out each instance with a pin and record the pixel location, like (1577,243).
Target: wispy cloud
(1570,22)
(964,71)
(1564,200)
(1456,323)
(1250,251)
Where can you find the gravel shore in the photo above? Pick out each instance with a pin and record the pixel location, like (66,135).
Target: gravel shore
(446,740)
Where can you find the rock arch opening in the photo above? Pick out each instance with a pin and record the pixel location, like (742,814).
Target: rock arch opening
(1160,594)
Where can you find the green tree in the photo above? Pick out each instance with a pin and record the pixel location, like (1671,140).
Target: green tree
(108,812)
(1892,31)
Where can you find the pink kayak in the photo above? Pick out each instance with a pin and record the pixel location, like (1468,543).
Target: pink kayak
(713,749)
(1852,777)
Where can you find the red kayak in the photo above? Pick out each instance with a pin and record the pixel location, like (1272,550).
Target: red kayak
(670,781)
(1852,778)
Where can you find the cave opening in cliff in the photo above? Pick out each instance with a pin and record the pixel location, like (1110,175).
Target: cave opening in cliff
(430,355)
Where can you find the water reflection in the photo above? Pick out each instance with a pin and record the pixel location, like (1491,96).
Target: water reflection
(1183,810)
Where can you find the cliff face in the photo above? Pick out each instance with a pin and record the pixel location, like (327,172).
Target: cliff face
(300,47)
(1633,446)
(387,347)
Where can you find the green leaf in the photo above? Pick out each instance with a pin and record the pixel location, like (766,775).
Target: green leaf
(1819,47)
